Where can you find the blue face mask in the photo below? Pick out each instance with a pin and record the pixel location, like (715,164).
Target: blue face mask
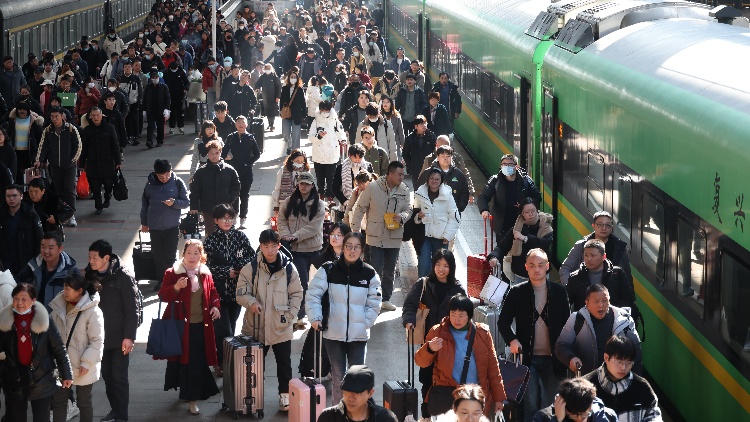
(508,170)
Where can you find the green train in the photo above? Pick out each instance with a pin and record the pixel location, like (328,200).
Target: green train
(639,108)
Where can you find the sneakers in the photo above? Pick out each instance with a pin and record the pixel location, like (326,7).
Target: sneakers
(284,402)
(72,222)
(98,211)
(182,131)
(387,306)
(73,410)
(242,222)
(108,418)
(171,131)
(149,144)
(106,203)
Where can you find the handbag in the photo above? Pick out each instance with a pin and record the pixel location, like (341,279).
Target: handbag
(120,188)
(165,336)
(494,290)
(422,311)
(515,378)
(440,399)
(83,190)
(286,111)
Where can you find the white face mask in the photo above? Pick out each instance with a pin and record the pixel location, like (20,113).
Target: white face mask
(325,114)
(373,119)
(267,71)
(298,165)
(155,81)
(355,54)
(91,85)
(111,88)
(26,312)
(338,73)
(292,80)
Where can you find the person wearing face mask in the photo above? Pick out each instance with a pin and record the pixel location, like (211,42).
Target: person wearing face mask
(151,60)
(503,192)
(122,105)
(88,97)
(326,135)
(293,96)
(279,58)
(208,82)
(286,177)
(374,58)
(178,84)
(156,103)
(229,46)
(269,86)
(26,98)
(384,135)
(112,43)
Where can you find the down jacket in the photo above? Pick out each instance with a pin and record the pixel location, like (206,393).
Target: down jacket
(438,309)
(205,193)
(32,274)
(326,149)
(354,295)
(385,136)
(279,300)
(86,346)
(375,202)
(309,233)
(444,215)
(7,284)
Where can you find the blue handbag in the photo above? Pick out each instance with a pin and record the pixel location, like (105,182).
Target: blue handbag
(165,336)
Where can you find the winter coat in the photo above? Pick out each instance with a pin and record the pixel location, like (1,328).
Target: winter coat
(270,86)
(456,180)
(101,150)
(385,136)
(416,148)
(337,413)
(60,151)
(398,130)
(583,344)
(441,125)
(132,87)
(122,103)
(244,153)
(454,97)
(354,298)
(375,202)
(52,206)
(518,305)
(86,346)
(343,179)
(110,45)
(616,250)
(85,101)
(383,88)
(538,235)
(204,191)
(458,162)
(29,235)
(493,196)
(286,182)
(32,273)
(314,97)
(241,100)
(118,302)
(632,397)
(378,157)
(309,232)
(7,284)
(326,149)
(226,251)
(298,106)
(420,99)
(351,117)
(400,68)
(179,303)
(208,80)
(621,291)
(279,300)
(177,83)
(483,351)
(156,99)
(444,215)
(599,413)
(155,214)
(35,131)
(10,84)
(114,117)
(48,354)
(429,299)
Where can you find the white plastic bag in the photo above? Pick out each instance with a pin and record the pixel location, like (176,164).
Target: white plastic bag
(494,290)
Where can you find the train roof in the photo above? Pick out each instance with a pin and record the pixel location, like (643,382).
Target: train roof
(14,8)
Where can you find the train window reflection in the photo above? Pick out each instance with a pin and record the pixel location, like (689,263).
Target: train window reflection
(735,314)
(595,170)
(691,252)
(652,235)
(622,193)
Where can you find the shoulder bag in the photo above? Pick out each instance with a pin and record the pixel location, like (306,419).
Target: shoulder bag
(422,311)
(440,399)
(165,335)
(286,111)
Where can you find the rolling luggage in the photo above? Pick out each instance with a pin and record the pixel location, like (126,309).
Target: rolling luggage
(478,266)
(307,396)
(309,357)
(143,261)
(243,376)
(488,315)
(401,397)
(256,129)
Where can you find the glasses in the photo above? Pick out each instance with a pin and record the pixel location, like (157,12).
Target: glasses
(350,247)
(603,225)
(227,220)
(622,363)
(508,164)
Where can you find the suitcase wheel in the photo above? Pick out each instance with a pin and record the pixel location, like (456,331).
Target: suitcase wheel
(260,413)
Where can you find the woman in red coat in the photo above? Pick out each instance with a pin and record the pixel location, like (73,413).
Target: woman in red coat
(88,97)
(189,288)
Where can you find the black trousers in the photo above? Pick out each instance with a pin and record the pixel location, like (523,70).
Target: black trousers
(64,183)
(324,173)
(115,374)
(85,403)
(96,184)
(225,326)
(283,353)
(16,404)
(155,123)
(134,121)
(246,181)
(23,162)
(425,378)
(165,241)
(176,114)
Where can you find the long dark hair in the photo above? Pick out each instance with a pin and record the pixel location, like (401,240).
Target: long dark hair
(297,206)
(328,249)
(450,259)
(289,163)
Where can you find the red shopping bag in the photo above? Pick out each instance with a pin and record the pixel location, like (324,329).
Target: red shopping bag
(83,190)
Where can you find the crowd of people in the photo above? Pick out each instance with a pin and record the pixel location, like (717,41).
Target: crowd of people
(341,214)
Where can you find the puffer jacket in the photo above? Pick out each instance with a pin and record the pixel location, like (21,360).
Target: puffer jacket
(378,157)
(485,357)
(61,151)
(29,236)
(48,354)
(493,196)
(227,250)
(7,284)
(279,300)
(32,273)
(309,232)
(101,150)
(86,346)
(313,100)
(583,345)
(375,202)
(326,149)
(438,309)
(154,213)
(118,302)
(204,195)
(444,215)
(385,137)
(354,295)
(599,413)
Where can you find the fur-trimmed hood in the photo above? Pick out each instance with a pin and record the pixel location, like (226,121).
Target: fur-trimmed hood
(179,268)
(34,117)
(39,324)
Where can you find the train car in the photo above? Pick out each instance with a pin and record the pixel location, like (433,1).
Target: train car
(56,25)
(639,108)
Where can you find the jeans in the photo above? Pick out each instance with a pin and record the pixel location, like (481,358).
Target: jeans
(16,404)
(155,123)
(64,182)
(324,173)
(384,261)
(115,374)
(283,354)
(343,355)
(225,325)
(302,261)
(164,241)
(84,402)
(424,258)
(291,133)
(96,184)
(542,386)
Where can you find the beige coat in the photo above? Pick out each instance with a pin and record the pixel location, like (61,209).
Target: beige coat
(309,233)
(279,301)
(375,202)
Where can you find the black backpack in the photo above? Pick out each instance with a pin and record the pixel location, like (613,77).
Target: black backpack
(190,226)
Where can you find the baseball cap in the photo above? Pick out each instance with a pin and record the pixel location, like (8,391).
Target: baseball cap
(306,177)
(400,48)
(358,378)
(47,82)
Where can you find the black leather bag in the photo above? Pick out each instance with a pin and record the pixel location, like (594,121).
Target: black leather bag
(120,188)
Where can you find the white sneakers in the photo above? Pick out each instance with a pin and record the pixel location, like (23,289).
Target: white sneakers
(73,410)
(72,222)
(284,402)
(387,306)
(242,222)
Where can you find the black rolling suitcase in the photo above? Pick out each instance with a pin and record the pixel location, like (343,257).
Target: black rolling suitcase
(307,360)
(143,261)
(401,397)
(256,129)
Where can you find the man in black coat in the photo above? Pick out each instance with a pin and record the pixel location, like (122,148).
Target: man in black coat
(204,194)
(100,157)
(115,119)
(20,230)
(156,104)
(241,150)
(449,96)
(178,84)
(540,311)
(418,145)
(241,97)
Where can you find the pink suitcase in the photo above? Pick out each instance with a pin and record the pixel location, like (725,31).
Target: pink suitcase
(307,396)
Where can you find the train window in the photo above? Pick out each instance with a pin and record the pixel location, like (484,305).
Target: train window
(487,92)
(735,295)
(691,252)
(622,193)
(478,87)
(43,37)
(652,235)
(595,197)
(497,104)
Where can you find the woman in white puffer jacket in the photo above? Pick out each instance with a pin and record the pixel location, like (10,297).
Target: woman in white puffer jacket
(84,337)
(313,98)
(326,136)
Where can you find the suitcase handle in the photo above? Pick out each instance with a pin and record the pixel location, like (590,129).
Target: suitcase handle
(410,354)
(318,361)
(492,235)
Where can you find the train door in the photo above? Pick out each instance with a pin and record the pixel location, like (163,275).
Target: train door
(522,121)
(550,136)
